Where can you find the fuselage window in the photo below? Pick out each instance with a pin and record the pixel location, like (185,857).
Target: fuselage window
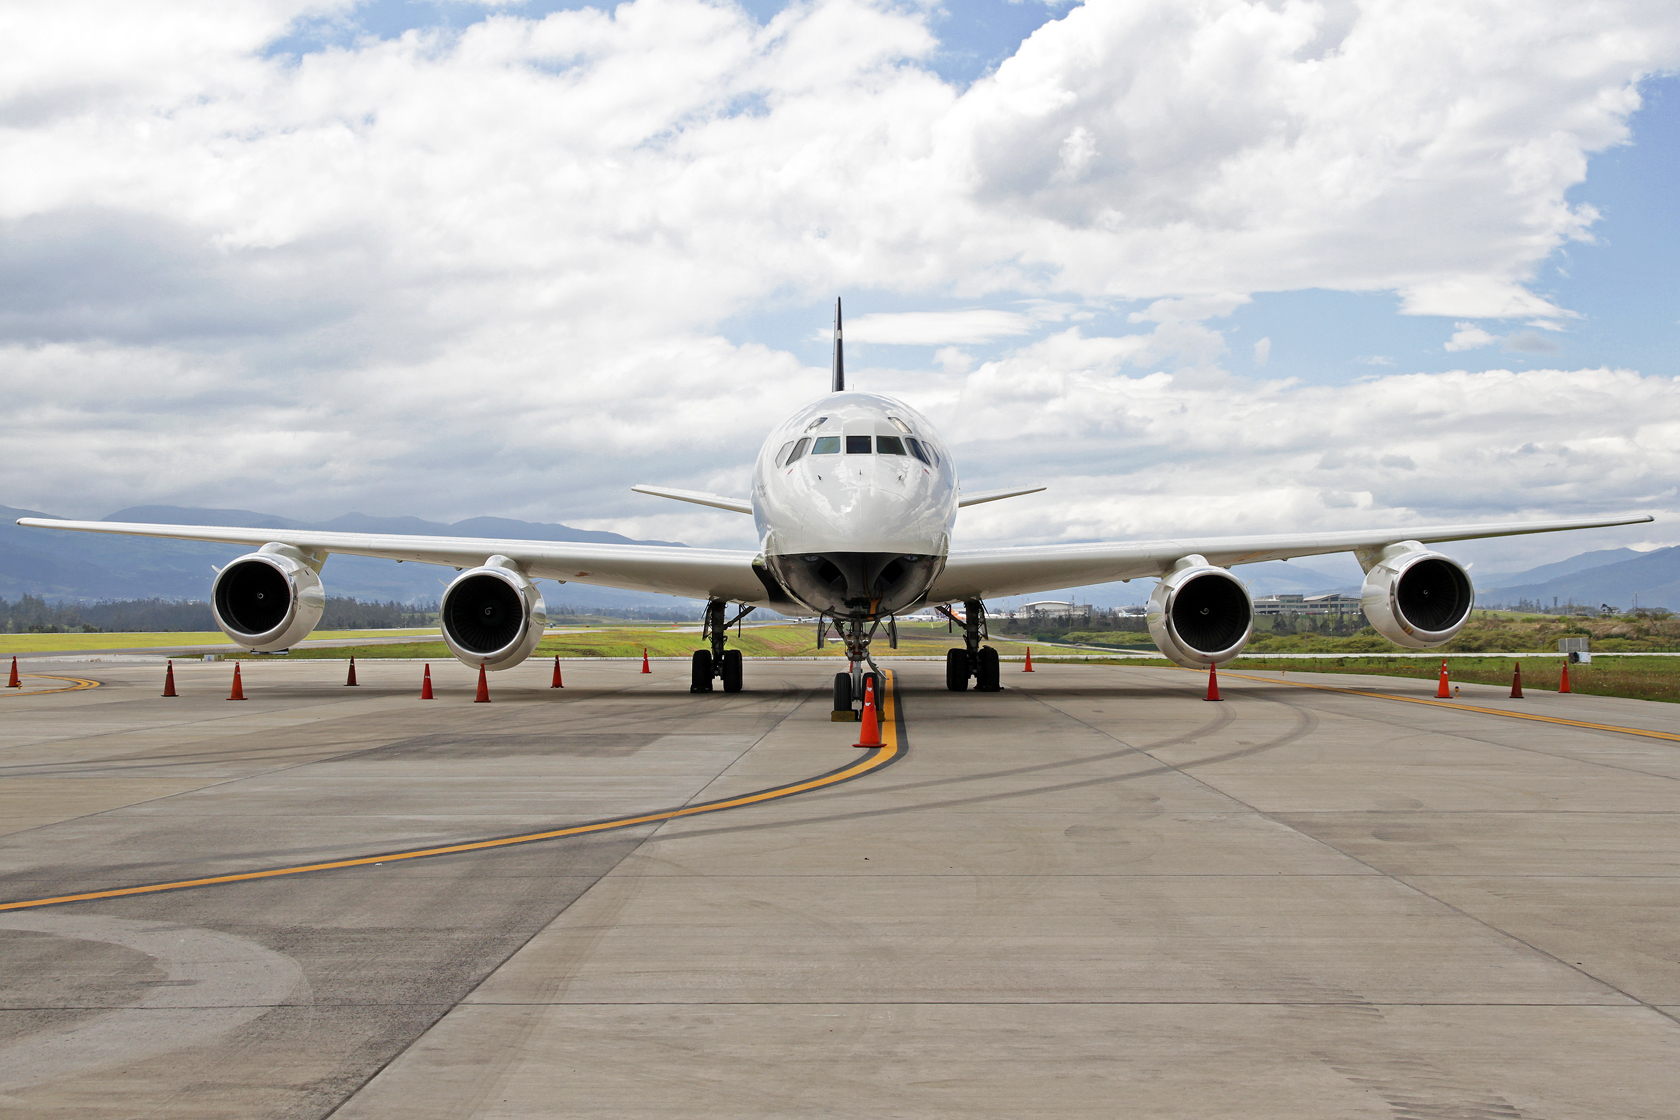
(827,445)
(889,445)
(798,451)
(857,445)
(782,455)
(916,450)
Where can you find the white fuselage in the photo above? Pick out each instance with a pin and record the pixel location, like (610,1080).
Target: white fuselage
(861,487)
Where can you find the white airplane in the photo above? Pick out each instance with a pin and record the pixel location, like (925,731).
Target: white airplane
(854,498)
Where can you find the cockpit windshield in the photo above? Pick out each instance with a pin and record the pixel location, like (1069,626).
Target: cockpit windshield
(889,445)
(827,445)
(857,445)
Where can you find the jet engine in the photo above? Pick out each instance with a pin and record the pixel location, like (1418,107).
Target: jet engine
(493,616)
(269,599)
(1200,615)
(1414,597)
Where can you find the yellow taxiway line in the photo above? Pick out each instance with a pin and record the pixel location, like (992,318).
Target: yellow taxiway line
(890,750)
(76,685)
(1435,702)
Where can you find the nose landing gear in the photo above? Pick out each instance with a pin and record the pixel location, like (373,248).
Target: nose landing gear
(849,687)
(974,661)
(717,663)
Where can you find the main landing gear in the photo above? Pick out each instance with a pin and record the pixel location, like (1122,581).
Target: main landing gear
(974,661)
(717,663)
(849,687)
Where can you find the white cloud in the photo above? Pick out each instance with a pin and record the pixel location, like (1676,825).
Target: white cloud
(1468,336)
(485,271)
(930,328)
(1262,351)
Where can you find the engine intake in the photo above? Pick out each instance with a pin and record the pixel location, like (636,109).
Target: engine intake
(268,600)
(1200,615)
(1414,597)
(493,616)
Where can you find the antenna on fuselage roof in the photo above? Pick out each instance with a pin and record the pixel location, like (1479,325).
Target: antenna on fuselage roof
(839,353)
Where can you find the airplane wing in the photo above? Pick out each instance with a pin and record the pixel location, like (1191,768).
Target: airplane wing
(992,572)
(694,573)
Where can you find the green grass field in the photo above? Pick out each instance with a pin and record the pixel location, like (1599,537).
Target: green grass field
(1638,678)
(762,641)
(49,643)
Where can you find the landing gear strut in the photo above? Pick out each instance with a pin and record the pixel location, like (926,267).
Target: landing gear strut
(717,663)
(849,686)
(974,661)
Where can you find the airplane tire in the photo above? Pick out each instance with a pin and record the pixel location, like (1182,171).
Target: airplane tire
(956,670)
(842,692)
(987,675)
(732,670)
(700,675)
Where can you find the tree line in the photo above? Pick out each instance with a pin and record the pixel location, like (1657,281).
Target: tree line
(31,614)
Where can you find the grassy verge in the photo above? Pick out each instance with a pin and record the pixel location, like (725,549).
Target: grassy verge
(764,641)
(1638,678)
(49,643)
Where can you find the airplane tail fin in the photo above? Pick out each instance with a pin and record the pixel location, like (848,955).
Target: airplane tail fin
(839,353)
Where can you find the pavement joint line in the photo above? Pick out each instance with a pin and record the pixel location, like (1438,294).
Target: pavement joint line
(77,684)
(891,750)
(1435,703)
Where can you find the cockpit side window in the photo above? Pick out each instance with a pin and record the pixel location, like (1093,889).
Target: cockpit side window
(798,452)
(827,445)
(782,455)
(857,445)
(889,445)
(817,423)
(916,450)
(899,424)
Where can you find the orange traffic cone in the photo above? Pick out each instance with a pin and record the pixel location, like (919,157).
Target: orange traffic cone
(238,692)
(426,684)
(1516,682)
(1563,684)
(645,667)
(169,680)
(14,682)
(1213,684)
(1029,667)
(870,736)
(555,683)
(483,696)
(1441,691)
(350,682)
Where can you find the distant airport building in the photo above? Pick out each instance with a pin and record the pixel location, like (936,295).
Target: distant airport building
(1328,603)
